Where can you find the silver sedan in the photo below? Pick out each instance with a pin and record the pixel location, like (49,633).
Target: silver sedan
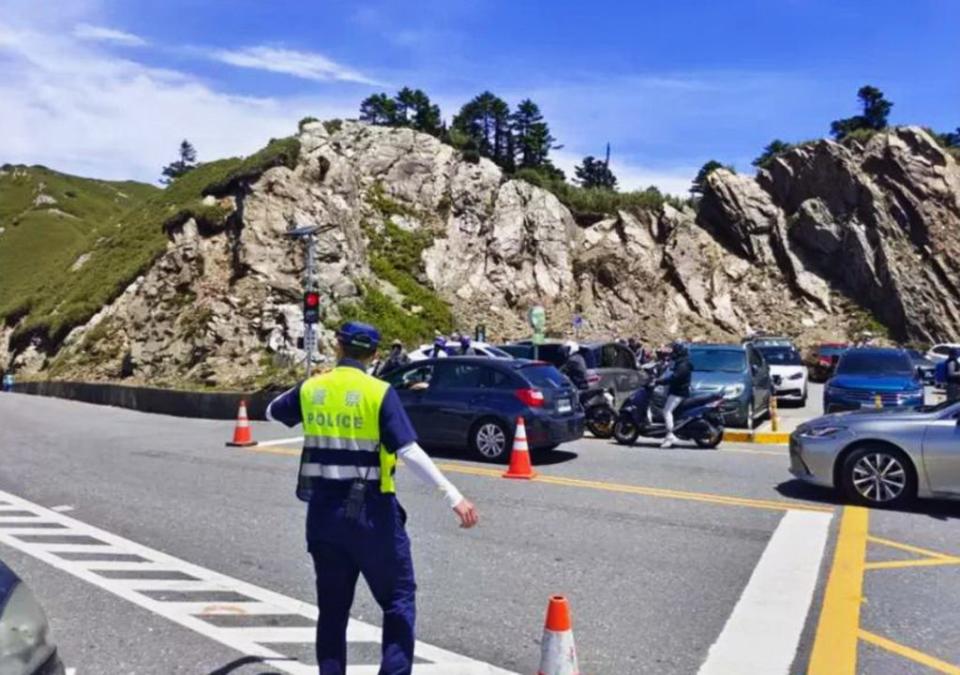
(882,457)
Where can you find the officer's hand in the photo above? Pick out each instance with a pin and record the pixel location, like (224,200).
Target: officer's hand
(467,513)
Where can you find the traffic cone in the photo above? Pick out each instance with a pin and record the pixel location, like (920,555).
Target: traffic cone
(242,437)
(520,466)
(558,655)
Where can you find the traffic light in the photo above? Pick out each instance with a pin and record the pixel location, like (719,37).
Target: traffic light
(311,307)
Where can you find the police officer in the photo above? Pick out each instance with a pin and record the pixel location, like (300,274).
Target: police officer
(354,429)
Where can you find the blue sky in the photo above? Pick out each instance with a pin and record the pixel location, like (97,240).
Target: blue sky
(108,88)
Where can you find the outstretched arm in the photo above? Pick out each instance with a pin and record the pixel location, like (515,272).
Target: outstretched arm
(424,469)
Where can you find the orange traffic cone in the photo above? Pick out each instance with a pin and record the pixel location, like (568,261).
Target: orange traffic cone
(242,437)
(520,466)
(558,655)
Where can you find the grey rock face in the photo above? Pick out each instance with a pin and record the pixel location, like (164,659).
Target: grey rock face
(826,228)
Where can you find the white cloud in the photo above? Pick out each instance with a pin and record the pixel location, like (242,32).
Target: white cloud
(85,31)
(74,108)
(307,65)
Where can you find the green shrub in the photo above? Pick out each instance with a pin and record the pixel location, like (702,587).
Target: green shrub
(386,205)
(279,152)
(858,136)
(305,121)
(333,126)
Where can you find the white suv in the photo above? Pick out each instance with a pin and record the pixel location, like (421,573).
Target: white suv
(941,352)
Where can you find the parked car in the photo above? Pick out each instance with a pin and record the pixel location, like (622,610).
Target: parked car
(761,340)
(882,457)
(25,645)
(611,366)
(453,349)
(940,352)
(473,403)
(787,371)
(925,367)
(864,373)
(738,372)
(823,360)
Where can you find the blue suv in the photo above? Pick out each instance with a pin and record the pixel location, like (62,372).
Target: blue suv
(864,374)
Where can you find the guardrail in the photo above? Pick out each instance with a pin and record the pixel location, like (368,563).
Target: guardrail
(209,405)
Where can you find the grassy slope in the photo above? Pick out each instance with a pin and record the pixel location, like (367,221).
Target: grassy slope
(123,236)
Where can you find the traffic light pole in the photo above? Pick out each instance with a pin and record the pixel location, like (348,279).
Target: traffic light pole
(310,283)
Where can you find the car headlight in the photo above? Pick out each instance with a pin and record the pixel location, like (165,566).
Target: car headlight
(732,390)
(23,627)
(795,376)
(820,432)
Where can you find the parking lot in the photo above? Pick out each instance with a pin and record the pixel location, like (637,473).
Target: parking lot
(671,559)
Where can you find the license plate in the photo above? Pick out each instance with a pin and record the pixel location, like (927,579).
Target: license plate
(564,405)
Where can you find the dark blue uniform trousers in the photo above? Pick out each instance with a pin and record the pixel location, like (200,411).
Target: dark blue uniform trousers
(378,547)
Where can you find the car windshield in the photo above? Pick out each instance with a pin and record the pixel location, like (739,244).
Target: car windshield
(718,360)
(781,356)
(496,352)
(874,363)
(543,376)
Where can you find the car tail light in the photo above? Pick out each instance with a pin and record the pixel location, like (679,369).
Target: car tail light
(530,397)
(824,360)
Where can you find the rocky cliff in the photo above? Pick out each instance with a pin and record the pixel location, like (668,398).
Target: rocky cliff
(827,241)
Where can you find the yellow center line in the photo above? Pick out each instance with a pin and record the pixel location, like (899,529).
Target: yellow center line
(899,564)
(909,653)
(835,643)
(912,549)
(704,497)
(643,490)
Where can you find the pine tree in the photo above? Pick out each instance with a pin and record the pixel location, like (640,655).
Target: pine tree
(485,120)
(876,109)
(532,135)
(186,162)
(379,109)
(774,148)
(696,187)
(595,173)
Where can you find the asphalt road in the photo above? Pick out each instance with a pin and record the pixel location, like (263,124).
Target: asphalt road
(672,559)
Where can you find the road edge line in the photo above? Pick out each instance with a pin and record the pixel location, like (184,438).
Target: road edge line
(835,644)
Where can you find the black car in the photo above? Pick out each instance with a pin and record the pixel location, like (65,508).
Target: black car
(473,403)
(25,648)
(610,365)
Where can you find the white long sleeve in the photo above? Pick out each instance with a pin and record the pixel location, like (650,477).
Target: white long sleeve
(424,469)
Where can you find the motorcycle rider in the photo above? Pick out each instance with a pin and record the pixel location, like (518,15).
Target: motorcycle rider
(439,350)
(575,366)
(678,388)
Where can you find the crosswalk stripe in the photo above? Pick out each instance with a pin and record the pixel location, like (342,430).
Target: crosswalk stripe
(194,596)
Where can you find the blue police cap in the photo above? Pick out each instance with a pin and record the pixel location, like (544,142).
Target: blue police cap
(359,334)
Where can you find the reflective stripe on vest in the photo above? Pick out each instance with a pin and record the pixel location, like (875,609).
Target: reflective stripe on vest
(341,423)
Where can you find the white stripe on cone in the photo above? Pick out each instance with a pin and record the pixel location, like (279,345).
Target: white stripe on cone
(520,437)
(558,655)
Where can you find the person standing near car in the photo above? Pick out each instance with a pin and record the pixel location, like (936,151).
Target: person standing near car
(953,375)
(678,388)
(354,429)
(395,359)
(575,366)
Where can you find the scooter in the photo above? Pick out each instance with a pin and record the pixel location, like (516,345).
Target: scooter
(697,419)
(601,415)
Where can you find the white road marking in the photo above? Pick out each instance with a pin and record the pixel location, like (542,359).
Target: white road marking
(190,613)
(762,633)
(296,440)
(63,508)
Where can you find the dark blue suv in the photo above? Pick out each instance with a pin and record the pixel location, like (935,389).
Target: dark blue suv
(864,374)
(473,403)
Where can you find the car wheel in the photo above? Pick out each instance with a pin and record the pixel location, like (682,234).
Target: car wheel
(490,440)
(878,475)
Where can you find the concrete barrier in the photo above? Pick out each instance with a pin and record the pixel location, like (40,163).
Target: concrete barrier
(210,405)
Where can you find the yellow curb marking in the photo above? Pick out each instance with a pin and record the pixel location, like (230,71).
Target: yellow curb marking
(909,653)
(835,644)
